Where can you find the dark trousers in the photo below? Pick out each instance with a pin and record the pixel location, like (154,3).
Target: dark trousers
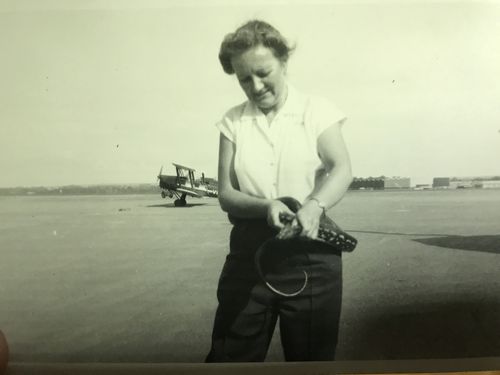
(248,310)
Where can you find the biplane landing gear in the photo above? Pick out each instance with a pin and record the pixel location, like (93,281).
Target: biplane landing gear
(180,203)
(163,195)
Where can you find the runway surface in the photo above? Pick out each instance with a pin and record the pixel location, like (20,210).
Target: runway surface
(133,279)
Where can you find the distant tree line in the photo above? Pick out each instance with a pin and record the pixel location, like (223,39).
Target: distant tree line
(103,189)
(83,190)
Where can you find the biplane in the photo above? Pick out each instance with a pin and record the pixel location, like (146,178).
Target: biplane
(184,184)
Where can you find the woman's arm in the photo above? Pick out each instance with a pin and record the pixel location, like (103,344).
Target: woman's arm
(333,153)
(234,201)
(335,157)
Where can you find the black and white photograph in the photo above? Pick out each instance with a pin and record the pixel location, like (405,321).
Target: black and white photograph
(249,181)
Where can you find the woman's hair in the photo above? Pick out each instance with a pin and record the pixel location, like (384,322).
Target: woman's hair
(251,34)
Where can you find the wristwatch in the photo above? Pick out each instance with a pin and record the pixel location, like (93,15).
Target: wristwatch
(320,204)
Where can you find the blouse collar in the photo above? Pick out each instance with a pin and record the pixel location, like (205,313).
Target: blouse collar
(293,106)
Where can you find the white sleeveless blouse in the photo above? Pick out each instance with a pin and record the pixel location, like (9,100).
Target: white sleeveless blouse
(279,159)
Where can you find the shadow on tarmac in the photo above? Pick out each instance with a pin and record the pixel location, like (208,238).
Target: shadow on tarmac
(431,330)
(452,329)
(171,205)
(395,233)
(484,243)
(487,244)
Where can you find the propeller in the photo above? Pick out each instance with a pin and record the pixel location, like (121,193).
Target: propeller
(158,178)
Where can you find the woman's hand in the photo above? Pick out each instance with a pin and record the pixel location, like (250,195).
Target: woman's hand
(308,217)
(275,209)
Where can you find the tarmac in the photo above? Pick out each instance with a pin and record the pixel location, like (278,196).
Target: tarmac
(133,278)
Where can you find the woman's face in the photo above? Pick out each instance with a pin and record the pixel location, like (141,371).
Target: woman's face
(261,76)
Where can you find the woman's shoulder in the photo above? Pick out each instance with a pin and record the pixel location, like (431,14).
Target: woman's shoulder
(236,112)
(230,123)
(320,112)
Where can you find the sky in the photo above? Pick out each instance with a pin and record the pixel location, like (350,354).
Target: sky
(109,91)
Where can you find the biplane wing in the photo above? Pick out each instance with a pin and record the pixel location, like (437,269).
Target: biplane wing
(191,193)
(183,167)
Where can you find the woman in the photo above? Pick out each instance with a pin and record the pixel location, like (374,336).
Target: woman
(278,143)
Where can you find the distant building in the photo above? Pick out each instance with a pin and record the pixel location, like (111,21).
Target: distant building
(491,184)
(466,182)
(396,182)
(370,183)
(441,182)
(423,187)
(379,183)
(457,183)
